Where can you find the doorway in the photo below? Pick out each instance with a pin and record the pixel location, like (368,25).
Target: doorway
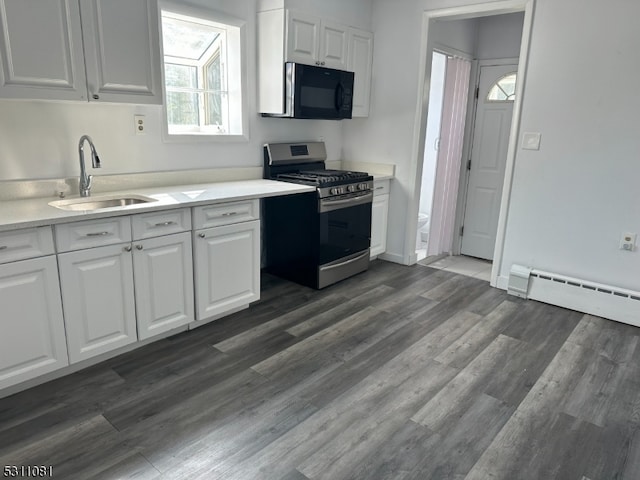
(501,188)
(449,146)
(431,149)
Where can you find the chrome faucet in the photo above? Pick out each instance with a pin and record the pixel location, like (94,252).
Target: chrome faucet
(85,180)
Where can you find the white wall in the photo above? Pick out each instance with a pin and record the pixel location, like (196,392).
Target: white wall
(456,35)
(572,199)
(39,139)
(355,13)
(499,36)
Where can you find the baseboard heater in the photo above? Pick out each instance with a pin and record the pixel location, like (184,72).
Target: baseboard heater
(581,295)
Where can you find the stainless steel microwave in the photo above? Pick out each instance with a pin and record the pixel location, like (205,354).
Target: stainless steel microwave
(316,93)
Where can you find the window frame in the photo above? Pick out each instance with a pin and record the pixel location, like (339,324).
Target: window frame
(233,45)
(496,84)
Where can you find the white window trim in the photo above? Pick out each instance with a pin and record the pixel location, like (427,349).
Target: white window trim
(239,39)
(510,98)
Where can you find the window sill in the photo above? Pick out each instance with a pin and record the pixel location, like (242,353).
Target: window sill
(204,138)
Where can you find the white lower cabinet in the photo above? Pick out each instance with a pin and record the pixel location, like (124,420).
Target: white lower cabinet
(98,300)
(106,289)
(121,279)
(379,217)
(163,272)
(32,342)
(227,268)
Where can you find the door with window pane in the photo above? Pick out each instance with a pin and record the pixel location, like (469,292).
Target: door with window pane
(488,159)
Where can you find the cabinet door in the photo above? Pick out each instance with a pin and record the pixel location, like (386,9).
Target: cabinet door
(122,50)
(333,45)
(360,62)
(163,274)
(32,338)
(41,50)
(227,268)
(379,214)
(98,300)
(303,34)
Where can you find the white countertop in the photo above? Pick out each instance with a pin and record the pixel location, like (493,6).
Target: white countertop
(378,177)
(35,212)
(379,171)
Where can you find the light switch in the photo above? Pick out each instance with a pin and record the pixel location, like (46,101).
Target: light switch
(531,141)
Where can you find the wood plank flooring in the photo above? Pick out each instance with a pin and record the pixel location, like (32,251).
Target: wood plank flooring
(398,373)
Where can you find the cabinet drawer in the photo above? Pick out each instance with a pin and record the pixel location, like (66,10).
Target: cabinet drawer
(225,214)
(381,187)
(26,243)
(156,224)
(92,233)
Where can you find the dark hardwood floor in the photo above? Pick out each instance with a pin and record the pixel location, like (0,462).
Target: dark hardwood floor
(397,373)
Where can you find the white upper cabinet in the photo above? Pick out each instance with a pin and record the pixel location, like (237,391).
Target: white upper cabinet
(361,62)
(293,36)
(333,45)
(313,41)
(96,50)
(41,50)
(303,33)
(122,50)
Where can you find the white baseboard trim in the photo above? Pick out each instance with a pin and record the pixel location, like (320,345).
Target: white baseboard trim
(502,283)
(393,257)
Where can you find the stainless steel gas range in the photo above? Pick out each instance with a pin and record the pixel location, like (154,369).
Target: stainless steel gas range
(321,237)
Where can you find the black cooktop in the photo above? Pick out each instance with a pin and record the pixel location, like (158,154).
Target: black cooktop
(324,177)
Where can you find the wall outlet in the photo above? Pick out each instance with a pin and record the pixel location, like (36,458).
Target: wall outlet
(628,242)
(139,125)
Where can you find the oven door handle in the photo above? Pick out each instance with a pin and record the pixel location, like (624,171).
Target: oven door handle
(345,263)
(327,205)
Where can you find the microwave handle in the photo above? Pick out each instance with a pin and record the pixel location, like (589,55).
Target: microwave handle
(339,97)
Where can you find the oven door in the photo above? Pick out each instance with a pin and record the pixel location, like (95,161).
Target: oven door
(345,228)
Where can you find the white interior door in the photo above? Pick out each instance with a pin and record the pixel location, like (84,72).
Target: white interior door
(488,159)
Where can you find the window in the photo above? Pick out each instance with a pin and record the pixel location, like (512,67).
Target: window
(504,90)
(202,75)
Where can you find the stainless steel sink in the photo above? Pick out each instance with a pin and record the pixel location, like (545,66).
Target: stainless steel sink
(100,203)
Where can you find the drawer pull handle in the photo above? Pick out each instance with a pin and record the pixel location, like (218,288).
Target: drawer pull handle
(165,224)
(127,248)
(379,188)
(3,247)
(97,234)
(139,247)
(201,235)
(228,214)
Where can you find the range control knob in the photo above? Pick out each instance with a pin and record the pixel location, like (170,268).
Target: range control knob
(334,191)
(362,186)
(351,188)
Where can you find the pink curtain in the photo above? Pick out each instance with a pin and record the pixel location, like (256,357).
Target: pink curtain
(454,112)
